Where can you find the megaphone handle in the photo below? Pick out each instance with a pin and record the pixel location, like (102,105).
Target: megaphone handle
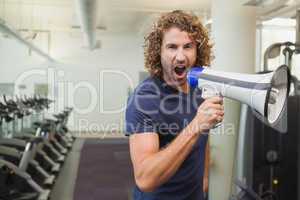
(208,93)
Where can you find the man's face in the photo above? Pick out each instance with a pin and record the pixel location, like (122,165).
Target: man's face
(178,54)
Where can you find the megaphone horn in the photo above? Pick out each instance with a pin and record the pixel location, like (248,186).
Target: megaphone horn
(266,93)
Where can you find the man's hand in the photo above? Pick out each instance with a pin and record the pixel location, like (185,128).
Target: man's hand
(209,113)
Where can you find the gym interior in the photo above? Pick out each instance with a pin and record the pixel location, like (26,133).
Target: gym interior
(68,67)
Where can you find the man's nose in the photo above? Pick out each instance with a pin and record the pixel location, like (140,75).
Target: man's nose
(180,57)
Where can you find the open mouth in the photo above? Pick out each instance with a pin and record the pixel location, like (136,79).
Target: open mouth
(180,70)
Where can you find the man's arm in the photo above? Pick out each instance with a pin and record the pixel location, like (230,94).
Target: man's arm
(206,168)
(152,166)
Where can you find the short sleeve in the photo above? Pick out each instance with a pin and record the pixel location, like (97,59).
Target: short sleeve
(141,112)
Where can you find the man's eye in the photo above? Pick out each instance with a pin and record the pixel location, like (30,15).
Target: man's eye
(188,46)
(171,47)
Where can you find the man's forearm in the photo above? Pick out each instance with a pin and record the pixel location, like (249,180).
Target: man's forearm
(206,167)
(156,169)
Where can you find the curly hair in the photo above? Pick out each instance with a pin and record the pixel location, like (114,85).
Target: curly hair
(185,22)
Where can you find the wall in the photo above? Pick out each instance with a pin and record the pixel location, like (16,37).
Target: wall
(94,82)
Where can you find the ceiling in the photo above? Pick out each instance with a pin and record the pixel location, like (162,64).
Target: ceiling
(94,17)
(119,16)
(112,16)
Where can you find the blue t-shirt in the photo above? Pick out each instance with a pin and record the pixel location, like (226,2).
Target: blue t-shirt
(156,107)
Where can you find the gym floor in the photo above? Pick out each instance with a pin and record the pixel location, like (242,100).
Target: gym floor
(96,169)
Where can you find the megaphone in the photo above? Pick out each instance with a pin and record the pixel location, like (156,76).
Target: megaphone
(266,93)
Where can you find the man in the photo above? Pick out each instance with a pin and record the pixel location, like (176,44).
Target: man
(164,118)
